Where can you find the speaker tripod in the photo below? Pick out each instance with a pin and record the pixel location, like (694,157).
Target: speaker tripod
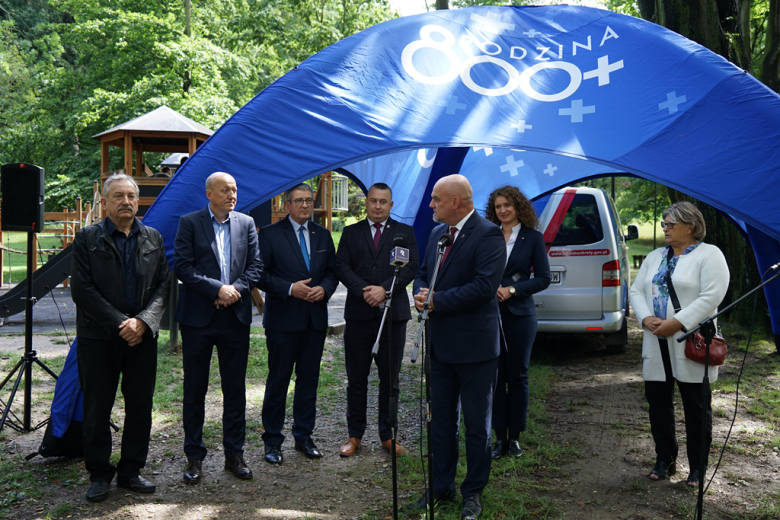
(25,365)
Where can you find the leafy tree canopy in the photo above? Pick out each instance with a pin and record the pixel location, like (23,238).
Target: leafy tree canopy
(70,69)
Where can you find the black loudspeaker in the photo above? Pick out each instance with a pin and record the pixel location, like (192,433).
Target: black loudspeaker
(22,192)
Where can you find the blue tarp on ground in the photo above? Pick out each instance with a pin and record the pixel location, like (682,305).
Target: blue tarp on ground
(68,402)
(579,83)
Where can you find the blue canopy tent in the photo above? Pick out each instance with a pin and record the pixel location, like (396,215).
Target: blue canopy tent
(424,96)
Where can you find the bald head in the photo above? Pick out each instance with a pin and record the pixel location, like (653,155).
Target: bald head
(218,176)
(222,194)
(451,199)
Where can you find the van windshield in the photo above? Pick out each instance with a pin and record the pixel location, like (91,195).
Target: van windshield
(582,223)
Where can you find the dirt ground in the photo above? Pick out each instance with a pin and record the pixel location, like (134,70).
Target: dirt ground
(596,404)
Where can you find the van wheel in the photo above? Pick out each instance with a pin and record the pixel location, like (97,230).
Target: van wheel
(616,342)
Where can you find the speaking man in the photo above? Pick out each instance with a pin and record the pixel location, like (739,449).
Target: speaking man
(216,257)
(463,328)
(299,280)
(363,266)
(119,281)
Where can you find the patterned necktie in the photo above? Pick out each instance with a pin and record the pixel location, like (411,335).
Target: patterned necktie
(377,235)
(304,249)
(453,230)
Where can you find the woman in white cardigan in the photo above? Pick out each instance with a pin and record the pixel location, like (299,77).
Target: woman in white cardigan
(700,277)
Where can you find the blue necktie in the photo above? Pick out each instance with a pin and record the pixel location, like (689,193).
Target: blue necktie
(304,249)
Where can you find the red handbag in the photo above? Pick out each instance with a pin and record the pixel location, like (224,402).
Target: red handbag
(695,346)
(695,349)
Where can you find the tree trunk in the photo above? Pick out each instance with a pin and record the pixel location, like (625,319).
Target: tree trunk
(717,25)
(442,4)
(770,69)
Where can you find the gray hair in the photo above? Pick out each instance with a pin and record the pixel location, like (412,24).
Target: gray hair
(686,213)
(302,186)
(119,177)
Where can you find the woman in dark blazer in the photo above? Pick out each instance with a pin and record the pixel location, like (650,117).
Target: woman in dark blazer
(526,255)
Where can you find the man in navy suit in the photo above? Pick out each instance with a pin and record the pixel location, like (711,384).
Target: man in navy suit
(464,339)
(363,266)
(217,258)
(299,280)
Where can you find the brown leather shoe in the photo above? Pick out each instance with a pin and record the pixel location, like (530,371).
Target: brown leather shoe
(349,447)
(399,450)
(238,467)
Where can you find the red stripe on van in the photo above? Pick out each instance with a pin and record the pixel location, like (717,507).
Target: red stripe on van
(557,219)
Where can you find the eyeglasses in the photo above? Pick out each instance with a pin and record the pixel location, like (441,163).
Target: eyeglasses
(669,225)
(301,202)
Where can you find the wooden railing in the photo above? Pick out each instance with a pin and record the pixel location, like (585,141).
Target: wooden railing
(57,224)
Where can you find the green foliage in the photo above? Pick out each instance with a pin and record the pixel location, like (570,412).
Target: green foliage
(356,202)
(628,7)
(470,3)
(640,199)
(70,69)
(759,16)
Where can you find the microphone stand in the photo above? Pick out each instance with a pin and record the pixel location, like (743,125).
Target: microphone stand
(392,403)
(423,319)
(708,330)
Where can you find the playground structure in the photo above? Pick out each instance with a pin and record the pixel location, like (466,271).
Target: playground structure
(161,130)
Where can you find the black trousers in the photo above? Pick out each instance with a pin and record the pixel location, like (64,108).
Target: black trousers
(468,386)
(231,337)
(100,363)
(660,397)
(359,337)
(303,352)
(510,403)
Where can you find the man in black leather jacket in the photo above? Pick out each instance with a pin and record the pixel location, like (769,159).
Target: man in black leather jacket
(119,282)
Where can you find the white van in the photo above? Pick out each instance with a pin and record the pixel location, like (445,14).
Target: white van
(589,269)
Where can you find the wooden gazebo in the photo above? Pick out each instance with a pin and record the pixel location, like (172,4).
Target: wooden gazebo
(161,130)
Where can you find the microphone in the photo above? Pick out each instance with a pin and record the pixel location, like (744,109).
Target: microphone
(445,240)
(399,240)
(775,267)
(399,256)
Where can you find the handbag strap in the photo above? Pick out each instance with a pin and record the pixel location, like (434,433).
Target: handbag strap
(669,285)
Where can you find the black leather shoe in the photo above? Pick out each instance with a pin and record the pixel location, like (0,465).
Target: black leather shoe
(422,503)
(309,449)
(472,508)
(499,450)
(192,473)
(137,484)
(273,455)
(238,467)
(515,450)
(693,479)
(98,491)
(662,469)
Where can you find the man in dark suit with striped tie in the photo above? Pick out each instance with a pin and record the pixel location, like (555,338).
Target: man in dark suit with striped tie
(363,266)
(299,280)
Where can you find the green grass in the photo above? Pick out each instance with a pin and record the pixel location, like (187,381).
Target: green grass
(644,244)
(14,264)
(514,490)
(517,487)
(759,384)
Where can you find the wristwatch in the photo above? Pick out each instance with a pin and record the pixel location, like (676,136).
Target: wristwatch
(512,290)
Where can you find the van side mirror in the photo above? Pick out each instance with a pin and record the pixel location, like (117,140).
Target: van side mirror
(633,233)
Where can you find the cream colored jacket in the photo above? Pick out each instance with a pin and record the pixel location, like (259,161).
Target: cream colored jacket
(700,279)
